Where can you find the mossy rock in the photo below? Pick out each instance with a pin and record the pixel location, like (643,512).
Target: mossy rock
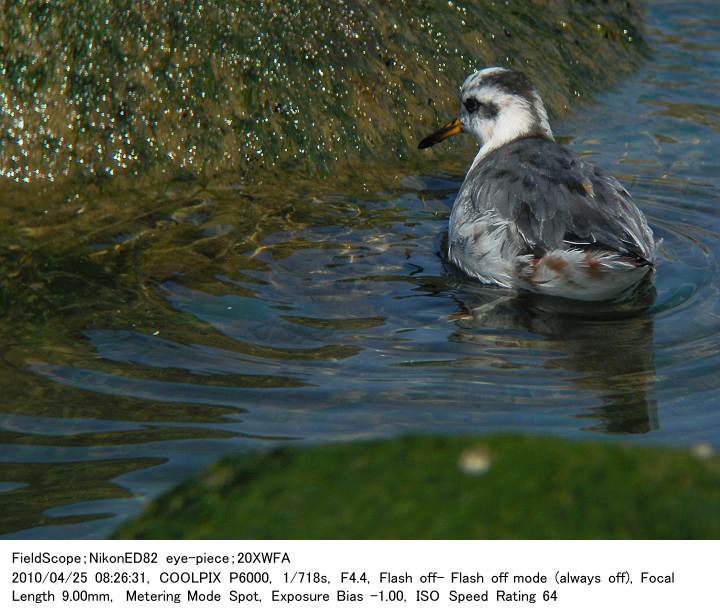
(445,488)
(100,88)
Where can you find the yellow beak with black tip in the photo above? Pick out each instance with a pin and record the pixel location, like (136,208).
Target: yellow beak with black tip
(454,127)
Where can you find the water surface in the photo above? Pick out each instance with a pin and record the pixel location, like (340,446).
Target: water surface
(323,317)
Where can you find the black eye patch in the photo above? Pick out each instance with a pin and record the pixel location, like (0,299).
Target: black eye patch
(472,105)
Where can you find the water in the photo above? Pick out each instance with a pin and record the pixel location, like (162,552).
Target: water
(317,317)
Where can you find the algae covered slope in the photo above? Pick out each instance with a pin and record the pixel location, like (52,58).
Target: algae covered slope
(445,488)
(98,88)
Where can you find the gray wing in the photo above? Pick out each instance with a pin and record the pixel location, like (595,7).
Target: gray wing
(554,200)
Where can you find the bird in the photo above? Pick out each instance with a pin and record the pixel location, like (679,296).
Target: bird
(531,215)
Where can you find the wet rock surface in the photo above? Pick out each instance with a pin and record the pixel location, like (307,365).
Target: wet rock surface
(97,89)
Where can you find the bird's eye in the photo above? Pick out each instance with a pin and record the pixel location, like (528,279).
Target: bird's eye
(471,104)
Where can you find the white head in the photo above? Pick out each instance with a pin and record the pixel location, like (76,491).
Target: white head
(497,106)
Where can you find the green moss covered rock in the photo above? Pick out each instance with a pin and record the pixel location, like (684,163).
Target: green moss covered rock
(103,88)
(445,488)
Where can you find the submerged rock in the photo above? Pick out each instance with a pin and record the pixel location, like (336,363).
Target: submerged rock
(96,88)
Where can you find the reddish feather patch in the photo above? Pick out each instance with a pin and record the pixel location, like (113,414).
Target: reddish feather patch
(595,268)
(555,263)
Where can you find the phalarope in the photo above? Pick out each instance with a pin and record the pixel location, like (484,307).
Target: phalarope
(531,214)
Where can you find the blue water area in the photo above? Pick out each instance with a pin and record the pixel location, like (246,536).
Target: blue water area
(348,325)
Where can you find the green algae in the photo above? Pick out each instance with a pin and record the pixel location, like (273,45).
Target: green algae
(445,488)
(94,89)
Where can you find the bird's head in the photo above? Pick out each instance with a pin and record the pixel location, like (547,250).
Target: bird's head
(497,105)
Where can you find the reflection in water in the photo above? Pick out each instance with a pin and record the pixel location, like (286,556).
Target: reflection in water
(609,348)
(48,487)
(230,321)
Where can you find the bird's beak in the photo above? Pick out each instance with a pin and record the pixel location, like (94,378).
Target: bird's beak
(454,127)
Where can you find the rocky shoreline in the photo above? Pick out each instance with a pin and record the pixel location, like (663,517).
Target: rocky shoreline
(95,90)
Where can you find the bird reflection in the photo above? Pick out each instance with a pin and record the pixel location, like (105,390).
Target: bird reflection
(608,348)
